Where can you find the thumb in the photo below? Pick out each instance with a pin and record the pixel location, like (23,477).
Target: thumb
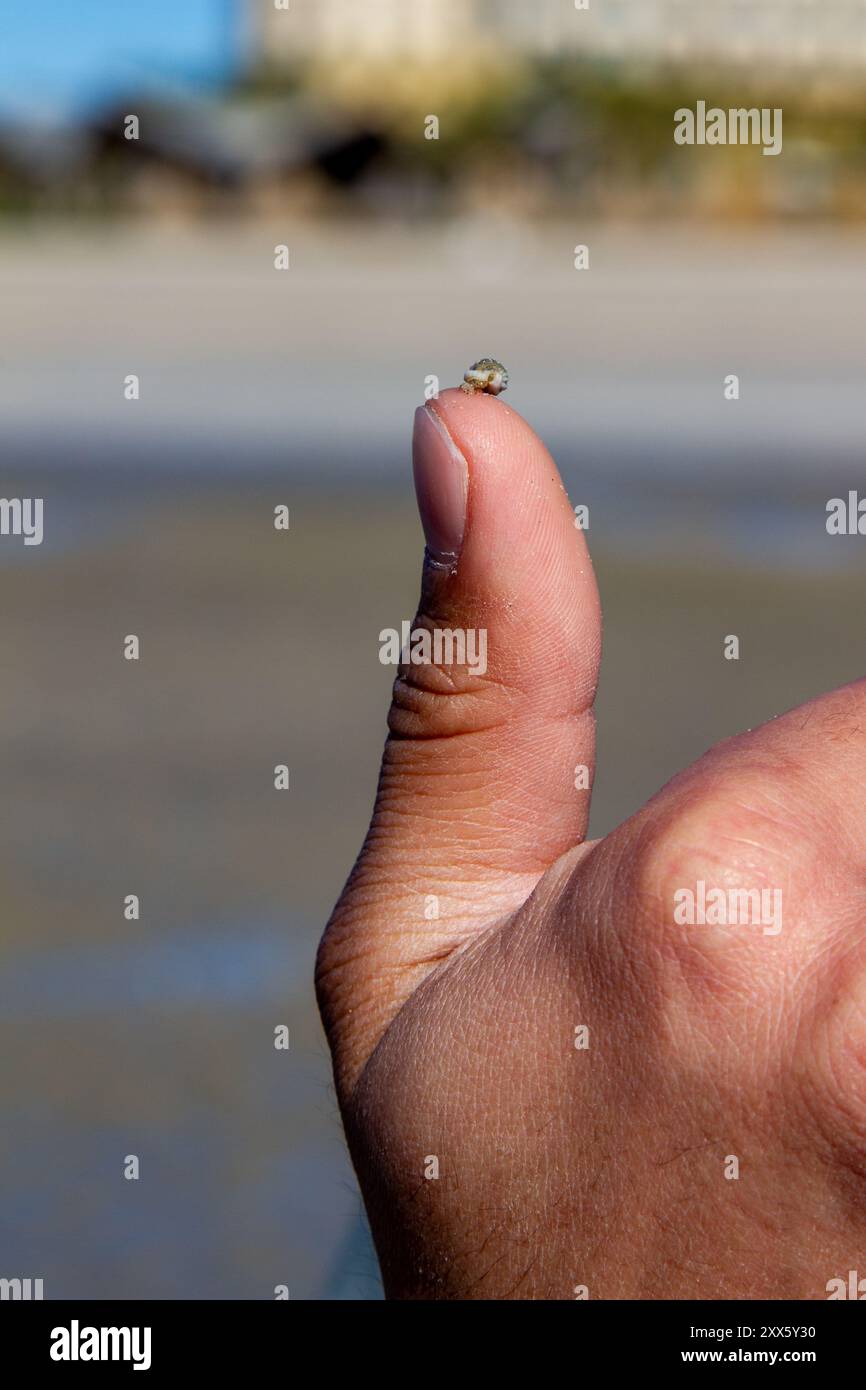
(490,719)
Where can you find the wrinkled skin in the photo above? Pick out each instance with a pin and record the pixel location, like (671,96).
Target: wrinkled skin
(599,1168)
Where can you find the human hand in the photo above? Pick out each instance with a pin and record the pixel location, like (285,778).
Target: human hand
(588,1069)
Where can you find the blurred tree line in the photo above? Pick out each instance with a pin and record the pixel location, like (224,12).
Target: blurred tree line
(538,137)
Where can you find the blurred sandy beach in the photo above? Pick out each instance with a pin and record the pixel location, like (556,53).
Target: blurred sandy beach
(622,364)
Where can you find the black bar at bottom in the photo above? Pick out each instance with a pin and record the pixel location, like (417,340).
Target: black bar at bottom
(221,1337)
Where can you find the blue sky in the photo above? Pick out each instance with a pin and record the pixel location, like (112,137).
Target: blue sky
(61,57)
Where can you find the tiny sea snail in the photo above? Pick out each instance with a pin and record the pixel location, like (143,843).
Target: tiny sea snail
(485,375)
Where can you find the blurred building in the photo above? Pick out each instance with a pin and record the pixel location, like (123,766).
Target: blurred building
(337,29)
(779,32)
